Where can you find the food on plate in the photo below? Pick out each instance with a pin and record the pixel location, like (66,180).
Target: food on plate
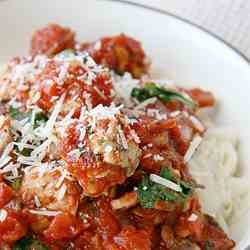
(51,40)
(96,155)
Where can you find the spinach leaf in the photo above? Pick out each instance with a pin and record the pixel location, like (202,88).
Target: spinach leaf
(16,114)
(209,245)
(165,95)
(150,192)
(167,174)
(28,243)
(16,183)
(40,118)
(187,189)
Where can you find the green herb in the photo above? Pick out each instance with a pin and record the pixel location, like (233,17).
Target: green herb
(19,115)
(167,174)
(16,183)
(187,189)
(28,243)
(149,192)
(24,151)
(209,245)
(165,95)
(40,118)
(35,118)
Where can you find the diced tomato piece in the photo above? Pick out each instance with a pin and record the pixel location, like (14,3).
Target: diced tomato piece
(63,226)
(51,40)
(203,98)
(107,220)
(90,241)
(99,91)
(121,53)
(213,234)
(96,178)
(6,194)
(132,238)
(12,228)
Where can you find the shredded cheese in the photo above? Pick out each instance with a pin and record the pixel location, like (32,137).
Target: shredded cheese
(5,158)
(61,192)
(192,148)
(37,201)
(158,157)
(45,212)
(51,122)
(123,138)
(3,215)
(198,125)
(169,184)
(135,136)
(142,105)
(102,112)
(193,217)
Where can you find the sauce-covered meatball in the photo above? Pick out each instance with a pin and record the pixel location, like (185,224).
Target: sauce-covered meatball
(120,53)
(51,40)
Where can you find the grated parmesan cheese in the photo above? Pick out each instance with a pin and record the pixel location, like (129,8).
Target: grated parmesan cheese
(5,158)
(45,212)
(51,122)
(169,184)
(193,217)
(135,136)
(192,148)
(147,156)
(175,113)
(3,215)
(198,125)
(158,157)
(4,161)
(123,138)
(156,113)
(108,148)
(61,192)
(142,105)
(37,201)
(103,112)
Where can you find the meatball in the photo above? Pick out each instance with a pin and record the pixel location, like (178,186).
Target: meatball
(49,189)
(120,53)
(106,145)
(51,40)
(185,245)
(100,150)
(76,76)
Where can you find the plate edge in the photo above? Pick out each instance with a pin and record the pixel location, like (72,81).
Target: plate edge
(197,26)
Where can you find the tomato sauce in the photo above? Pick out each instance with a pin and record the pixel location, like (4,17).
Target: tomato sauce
(129,183)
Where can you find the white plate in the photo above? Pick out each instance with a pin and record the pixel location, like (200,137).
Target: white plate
(178,50)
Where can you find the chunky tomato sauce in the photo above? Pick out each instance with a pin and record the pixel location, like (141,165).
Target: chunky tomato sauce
(84,170)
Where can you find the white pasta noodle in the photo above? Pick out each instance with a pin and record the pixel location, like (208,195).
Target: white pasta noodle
(215,165)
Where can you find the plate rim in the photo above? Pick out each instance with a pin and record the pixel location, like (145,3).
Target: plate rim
(184,20)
